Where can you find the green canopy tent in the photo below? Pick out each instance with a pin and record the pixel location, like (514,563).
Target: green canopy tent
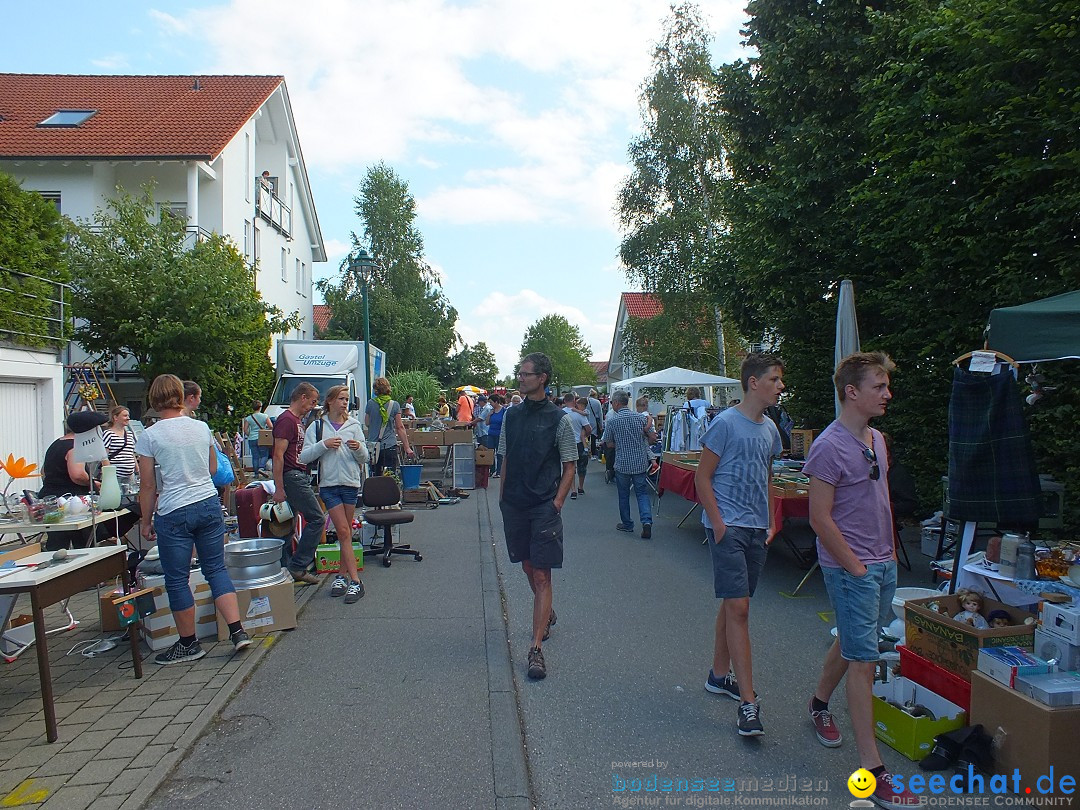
(1038,332)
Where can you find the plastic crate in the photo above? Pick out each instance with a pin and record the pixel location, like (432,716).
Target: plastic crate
(938,680)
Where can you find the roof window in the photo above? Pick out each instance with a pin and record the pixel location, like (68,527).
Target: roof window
(67,118)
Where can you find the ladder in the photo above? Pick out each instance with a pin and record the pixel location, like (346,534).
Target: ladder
(87,386)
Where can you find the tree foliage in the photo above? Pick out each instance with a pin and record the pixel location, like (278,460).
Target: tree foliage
(473,365)
(31,242)
(143,290)
(409,316)
(562,341)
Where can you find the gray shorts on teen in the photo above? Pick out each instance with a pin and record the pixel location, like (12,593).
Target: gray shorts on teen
(737,560)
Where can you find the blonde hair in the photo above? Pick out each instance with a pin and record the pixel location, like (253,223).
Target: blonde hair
(333,393)
(854,368)
(115,412)
(166,393)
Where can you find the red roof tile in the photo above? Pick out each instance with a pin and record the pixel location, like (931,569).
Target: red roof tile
(137,116)
(601,369)
(320,313)
(642,305)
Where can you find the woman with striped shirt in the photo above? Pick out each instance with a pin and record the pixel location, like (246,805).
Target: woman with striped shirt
(120,443)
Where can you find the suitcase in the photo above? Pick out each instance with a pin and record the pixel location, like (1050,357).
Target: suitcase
(248,502)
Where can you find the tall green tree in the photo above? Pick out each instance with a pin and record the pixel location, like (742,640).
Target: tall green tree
(667,205)
(143,291)
(31,242)
(562,341)
(482,368)
(410,317)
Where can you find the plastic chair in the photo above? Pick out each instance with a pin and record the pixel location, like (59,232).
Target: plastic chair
(379,494)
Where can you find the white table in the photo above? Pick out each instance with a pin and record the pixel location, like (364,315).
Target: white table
(1006,589)
(80,522)
(49,582)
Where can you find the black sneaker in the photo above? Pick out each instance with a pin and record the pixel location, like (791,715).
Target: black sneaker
(179,654)
(551,620)
(646,531)
(354,592)
(625,527)
(240,640)
(537,668)
(749,721)
(339,586)
(723,686)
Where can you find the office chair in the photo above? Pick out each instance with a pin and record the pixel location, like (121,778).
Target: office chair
(379,493)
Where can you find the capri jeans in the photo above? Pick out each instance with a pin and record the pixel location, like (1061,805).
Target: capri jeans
(200,526)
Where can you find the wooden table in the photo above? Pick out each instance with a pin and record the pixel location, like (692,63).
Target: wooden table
(82,522)
(49,584)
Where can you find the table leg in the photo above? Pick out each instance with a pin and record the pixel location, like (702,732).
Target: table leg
(133,635)
(43,667)
(802,582)
(688,514)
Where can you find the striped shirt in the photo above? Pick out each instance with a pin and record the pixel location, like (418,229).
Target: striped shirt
(626,430)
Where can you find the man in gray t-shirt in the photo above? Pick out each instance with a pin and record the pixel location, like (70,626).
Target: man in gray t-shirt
(732,483)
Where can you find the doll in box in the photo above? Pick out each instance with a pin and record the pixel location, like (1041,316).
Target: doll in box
(999,618)
(971,604)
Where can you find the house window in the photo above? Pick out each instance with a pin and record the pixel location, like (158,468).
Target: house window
(257,245)
(305,277)
(299,278)
(53,197)
(247,240)
(284,273)
(176,210)
(247,167)
(67,118)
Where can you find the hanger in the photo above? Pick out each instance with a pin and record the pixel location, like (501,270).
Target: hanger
(999,355)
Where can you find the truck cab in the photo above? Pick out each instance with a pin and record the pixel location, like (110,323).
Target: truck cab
(324,364)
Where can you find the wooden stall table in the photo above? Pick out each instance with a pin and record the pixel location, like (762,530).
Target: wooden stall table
(48,582)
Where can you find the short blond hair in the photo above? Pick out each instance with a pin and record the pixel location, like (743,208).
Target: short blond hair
(166,393)
(854,368)
(333,392)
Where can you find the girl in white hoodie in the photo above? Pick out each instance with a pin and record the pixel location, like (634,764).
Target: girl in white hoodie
(336,442)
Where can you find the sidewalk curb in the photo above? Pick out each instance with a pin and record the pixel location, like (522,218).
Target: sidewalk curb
(160,774)
(509,761)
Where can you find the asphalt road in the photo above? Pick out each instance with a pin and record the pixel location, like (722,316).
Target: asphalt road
(407,699)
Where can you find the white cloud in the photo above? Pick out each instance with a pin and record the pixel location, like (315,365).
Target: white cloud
(113,61)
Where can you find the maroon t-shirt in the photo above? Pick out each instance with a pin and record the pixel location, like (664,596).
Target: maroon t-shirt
(288,427)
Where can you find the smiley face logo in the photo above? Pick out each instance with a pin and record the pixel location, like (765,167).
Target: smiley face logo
(861,783)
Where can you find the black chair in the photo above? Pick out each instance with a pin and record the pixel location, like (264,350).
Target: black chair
(381,492)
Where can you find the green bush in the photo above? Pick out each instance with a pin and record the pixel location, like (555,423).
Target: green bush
(423,387)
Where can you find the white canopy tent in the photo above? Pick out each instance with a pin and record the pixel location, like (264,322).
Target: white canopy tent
(676,377)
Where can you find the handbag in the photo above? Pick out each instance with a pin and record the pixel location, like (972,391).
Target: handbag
(266,437)
(224,475)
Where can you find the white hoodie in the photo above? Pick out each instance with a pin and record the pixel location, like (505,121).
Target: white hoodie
(340,467)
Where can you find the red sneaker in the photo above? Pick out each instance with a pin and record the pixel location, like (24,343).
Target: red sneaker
(825,727)
(885,796)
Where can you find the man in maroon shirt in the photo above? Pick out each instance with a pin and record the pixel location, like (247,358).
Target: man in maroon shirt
(293,483)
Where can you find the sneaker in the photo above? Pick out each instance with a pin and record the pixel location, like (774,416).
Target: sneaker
(179,654)
(354,593)
(625,527)
(749,722)
(340,586)
(723,686)
(573,496)
(551,620)
(240,640)
(885,796)
(537,668)
(304,577)
(825,727)
(646,531)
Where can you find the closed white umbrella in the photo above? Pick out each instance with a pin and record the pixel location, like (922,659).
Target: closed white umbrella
(847,329)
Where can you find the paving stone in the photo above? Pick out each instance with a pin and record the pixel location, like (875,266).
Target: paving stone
(173,732)
(11,721)
(178,692)
(63,763)
(26,731)
(35,755)
(139,704)
(152,687)
(150,756)
(100,772)
(114,719)
(11,779)
(126,747)
(189,715)
(92,740)
(107,802)
(107,699)
(165,708)
(30,788)
(129,779)
(73,797)
(82,693)
(218,681)
(9,748)
(88,714)
(147,726)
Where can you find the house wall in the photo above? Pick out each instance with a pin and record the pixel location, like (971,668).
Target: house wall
(32,402)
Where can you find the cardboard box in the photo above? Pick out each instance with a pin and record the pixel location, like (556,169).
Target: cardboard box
(1051,688)
(328,557)
(1028,736)
(110,619)
(16,551)
(263,610)
(430,452)
(912,736)
(485,457)
(955,645)
(416,495)
(1062,621)
(801,440)
(457,437)
(1048,646)
(1006,664)
(939,681)
(425,438)
(158,630)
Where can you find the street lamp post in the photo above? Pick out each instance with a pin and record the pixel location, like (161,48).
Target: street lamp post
(365,264)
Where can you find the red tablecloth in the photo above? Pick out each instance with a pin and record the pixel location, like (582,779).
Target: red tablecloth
(678,480)
(788,506)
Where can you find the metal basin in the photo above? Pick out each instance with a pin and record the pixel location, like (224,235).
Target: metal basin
(278,577)
(257,551)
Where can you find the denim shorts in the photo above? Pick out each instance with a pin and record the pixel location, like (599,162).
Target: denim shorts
(334,496)
(863,606)
(737,561)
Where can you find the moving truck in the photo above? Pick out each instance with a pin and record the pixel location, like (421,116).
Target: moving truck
(324,363)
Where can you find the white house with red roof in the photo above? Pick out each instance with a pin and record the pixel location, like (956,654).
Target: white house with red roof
(222,151)
(631,305)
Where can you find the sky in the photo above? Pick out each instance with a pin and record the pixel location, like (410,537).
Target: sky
(509,121)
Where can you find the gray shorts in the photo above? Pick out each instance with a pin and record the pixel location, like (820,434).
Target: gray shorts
(534,534)
(737,560)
